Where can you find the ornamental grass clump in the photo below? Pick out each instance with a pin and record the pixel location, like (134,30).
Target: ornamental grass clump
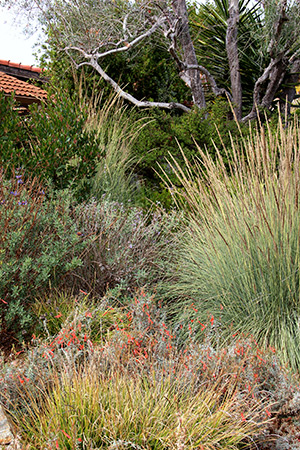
(118,410)
(239,255)
(115,130)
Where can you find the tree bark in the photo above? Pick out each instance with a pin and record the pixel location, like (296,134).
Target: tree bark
(267,86)
(288,93)
(233,56)
(192,76)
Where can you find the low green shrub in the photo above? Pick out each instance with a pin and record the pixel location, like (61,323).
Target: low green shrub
(239,256)
(39,244)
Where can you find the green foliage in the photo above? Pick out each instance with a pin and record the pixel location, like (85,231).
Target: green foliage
(53,143)
(239,258)
(39,243)
(11,130)
(60,147)
(169,133)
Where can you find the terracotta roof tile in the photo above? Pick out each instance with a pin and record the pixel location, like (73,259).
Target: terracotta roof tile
(20,66)
(9,84)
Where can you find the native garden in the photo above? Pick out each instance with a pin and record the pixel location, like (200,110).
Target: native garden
(150,229)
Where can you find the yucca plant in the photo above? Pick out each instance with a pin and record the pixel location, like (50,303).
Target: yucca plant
(209,23)
(239,257)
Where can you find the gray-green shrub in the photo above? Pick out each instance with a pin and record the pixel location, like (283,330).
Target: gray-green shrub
(129,248)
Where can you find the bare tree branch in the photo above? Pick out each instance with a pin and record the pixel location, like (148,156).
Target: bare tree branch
(93,57)
(127,45)
(140,103)
(258,88)
(184,69)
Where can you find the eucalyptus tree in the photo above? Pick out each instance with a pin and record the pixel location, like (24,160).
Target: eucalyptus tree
(90,31)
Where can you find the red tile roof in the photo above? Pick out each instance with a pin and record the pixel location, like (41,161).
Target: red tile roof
(9,84)
(20,66)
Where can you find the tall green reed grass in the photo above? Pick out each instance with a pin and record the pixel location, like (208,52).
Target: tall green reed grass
(115,129)
(239,255)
